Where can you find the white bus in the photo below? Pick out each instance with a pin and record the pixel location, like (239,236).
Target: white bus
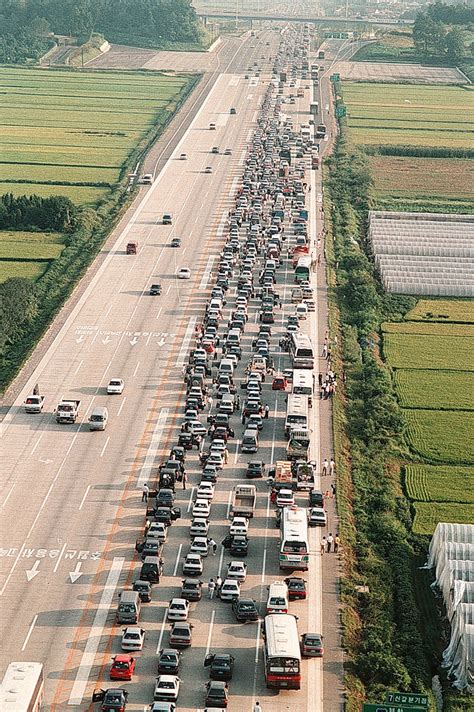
(303,383)
(297,413)
(282,656)
(22,688)
(301,351)
(294,543)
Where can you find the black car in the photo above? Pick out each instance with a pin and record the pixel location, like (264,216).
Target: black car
(165,497)
(144,590)
(316,498)
(155,289)
(217,694)
(191,590)
(296,588)
(255,468)
(113,700)
(221,665)
(168,661)
(239,545)
(164,514)
(176,242)
(245,610)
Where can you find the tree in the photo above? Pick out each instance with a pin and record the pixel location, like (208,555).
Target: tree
(454,43)
(18,309)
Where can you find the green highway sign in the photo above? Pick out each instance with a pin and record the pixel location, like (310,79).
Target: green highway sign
(390,708)
(409,699)
(335,77)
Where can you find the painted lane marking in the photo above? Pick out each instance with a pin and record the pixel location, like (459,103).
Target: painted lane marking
(145,472)
(30,630)
(185,343)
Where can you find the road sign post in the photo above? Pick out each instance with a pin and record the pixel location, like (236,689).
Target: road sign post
(335,78)
(340,112)
(382,707)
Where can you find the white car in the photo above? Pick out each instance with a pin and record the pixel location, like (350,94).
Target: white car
(201,508)
(199,527)
(199,545)
(166,688)
(205,490)
(184,273)
(157,530)
(237,570)
(195,427)
(239,525)
(192,565)
(208,169)
(183,157)
(116,386)
(228,152)
(317,517)
(285,498)
(133,638)
(230,589)
(178,609)
(216,459)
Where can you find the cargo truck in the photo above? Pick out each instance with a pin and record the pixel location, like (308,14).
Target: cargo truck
(298,447)
(33,403)
(67,411)
(243,501)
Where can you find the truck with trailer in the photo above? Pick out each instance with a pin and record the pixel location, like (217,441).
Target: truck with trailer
(244,497)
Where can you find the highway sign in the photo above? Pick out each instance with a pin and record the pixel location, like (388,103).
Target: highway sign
(335,77)
(381,707)
(409,699)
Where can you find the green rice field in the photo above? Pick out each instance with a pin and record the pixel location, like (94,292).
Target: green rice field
(452,353)
(443,310)
(414,115)
(429,514)
(28,254)
(431,483)
(427,328)
(441,436)
(28,270)
(438,390)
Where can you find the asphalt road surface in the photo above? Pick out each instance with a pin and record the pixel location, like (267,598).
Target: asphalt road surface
(70,498)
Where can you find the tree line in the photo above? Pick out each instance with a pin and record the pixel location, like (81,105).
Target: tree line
(27,212)
(25,25)
(439,31)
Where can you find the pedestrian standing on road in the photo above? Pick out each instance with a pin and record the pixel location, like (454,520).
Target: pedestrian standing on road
(213,546)
(325,350)
(333,489)
(257,706)
(209,400)
(145,492)
(337,541)
(243,419)
(332,467)
(211,587)
(323,545)
(329,541)
(218,586)
(184,480)
(325,470)
(267,410)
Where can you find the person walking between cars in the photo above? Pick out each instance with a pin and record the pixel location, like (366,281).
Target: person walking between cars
(213,546)
(211,587)
(145,492)
(184,480)
(267,410)
(329,542)
(218,586)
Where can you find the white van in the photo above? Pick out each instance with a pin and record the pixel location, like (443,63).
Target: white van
(227,366)
(233,337)
(277,601)
(250,441)
(99,418)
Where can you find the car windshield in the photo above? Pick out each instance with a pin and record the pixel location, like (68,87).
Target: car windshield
(168,658)
(120,665)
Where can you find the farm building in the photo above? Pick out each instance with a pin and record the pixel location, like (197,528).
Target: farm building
(424,253)
(451,555)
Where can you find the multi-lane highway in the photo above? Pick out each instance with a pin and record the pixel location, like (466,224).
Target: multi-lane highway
(71,498)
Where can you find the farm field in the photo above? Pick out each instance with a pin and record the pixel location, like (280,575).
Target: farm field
(442,310)
(428,352)
(441,436)
(439,390)
(28,254)
(429,514)
(414,115)
(426,181)
(431,483)
(28,270)
(426,328)
(77,127)
(79,194)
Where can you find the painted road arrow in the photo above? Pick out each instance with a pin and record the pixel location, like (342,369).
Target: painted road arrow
(80,339)
(106,340)
(77,573)
(134,341)
(31,573)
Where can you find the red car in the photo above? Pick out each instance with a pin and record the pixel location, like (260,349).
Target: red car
(296,588)
(279,382)
(123,667)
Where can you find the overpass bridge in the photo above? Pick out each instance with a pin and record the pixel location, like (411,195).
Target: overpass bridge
(342,22)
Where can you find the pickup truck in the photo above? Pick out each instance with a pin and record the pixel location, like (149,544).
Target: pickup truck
(67,411)
(243,501)
(33,404)
(298,444)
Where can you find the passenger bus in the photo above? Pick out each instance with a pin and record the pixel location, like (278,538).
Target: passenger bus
(301,351)
(303,383)
(297,412)
(282,656)
(294,544)
(303,269)
(22,688)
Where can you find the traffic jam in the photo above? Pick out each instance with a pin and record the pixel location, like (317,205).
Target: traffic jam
(250,390)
